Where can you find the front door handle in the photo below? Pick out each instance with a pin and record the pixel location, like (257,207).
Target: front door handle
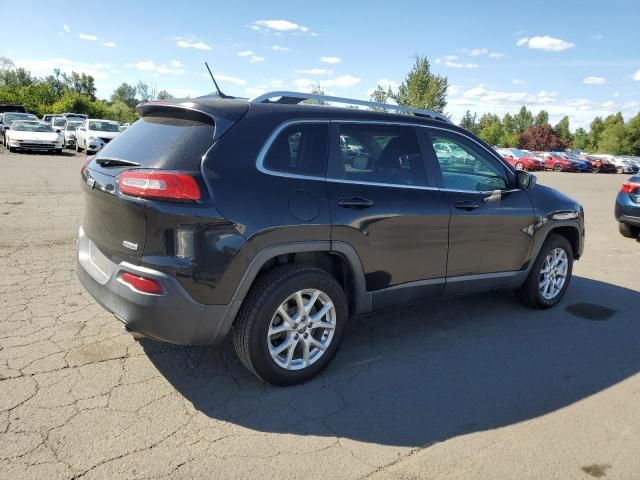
(355,202)
(466,205)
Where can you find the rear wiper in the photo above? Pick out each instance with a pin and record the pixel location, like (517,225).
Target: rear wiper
(116,162)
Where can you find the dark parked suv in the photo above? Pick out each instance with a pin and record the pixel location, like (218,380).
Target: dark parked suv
(278,221)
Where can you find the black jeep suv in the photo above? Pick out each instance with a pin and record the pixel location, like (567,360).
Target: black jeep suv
(278,221)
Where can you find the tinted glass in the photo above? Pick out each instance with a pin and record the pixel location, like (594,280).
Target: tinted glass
(300,149)
(465,166)
(31,127)
(163,142)
(103,126)
(379,154)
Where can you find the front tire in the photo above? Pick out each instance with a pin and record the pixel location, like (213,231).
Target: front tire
(519,166)
(550,274)
(628,231)
(619,170)
(291,324)
(78,149)
(557,167)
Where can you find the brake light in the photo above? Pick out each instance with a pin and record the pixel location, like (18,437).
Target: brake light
(159,184)
(629,187)
(143,284)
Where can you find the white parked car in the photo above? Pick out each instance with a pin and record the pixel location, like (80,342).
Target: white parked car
(95,133)
(69,133)
(33,135)
(622,165)
(58,123)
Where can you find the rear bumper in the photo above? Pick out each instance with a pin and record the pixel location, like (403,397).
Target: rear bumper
(172,317)
(635,221)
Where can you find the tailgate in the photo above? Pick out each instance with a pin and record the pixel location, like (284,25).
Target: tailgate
(117,226)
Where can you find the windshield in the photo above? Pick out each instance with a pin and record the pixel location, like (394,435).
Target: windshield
(9,118)
(520,153)
(30,127)
(59,122)
(103,126)
(72,125)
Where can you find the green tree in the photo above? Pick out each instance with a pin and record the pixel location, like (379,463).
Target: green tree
(120,111)
(470,122)
(523,119)
(80,83)
(490,129)
(163,95)
(581,139)
(597,126)
(380,95)
(633,135)
(562,129)
(542,118)
(146,92)
(126,94)
(614,139)
(423,89)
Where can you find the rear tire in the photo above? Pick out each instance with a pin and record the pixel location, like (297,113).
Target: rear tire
(619,170)
(519,166)
(547,283)
(78,149)
(557,167)
(11,149)
(261,329)
(628,231)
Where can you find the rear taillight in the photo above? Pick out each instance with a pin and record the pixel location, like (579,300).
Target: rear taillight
(630,187)
(159,184)
(142,284)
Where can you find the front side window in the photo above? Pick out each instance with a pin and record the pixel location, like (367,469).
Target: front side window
(299,149)
(466,166)
(379,154)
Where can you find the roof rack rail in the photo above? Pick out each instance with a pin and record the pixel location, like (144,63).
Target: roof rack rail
(293,98)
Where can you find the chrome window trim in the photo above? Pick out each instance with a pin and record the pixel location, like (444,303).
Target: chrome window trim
(267,145)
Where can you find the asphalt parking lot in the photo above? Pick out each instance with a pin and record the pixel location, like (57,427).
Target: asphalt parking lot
(477,387)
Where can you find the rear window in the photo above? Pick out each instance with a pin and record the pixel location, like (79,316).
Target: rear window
(300,149)
(163,142)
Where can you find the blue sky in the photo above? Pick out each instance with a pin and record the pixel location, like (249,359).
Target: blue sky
(576,58)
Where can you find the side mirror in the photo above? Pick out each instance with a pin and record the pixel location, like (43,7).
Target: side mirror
(525,180)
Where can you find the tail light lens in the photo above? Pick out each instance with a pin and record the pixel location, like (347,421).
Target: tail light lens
(143,284)
(159,184)
(630,187)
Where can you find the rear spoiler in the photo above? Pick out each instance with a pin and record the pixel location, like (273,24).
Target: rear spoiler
(223,113)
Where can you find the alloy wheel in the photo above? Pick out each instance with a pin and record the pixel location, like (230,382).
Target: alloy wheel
(301,329)
(553,274)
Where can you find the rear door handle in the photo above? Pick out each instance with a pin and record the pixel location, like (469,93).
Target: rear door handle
(355,202)
(465,205)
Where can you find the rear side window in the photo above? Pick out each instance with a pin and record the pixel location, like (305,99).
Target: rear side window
(379,154)
(299,149)
(163,142)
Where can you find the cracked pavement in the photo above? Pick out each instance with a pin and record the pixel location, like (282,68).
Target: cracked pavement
(475,387)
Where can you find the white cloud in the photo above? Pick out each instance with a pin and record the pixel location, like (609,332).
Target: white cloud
(254,91)
(452,61)
(230,79)
(253,58)
(87,36)
(185,92)
(191,43)
(331,60)
(595,80)
(66,28)
(343,81)
(480,52)
(246,53)
(315,71)
(175,67)
(278,26)
(256,59)
(517,81)
(279,48)
(99,71)
(109,44)
(386,83)
(546,43)
(608,104)
(636,76)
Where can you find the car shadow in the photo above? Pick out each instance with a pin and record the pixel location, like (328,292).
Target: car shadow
(431,371)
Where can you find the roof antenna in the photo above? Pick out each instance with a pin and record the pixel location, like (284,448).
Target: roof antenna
(220,94)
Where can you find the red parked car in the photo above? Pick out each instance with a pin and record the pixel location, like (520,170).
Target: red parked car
(521,159)
(553,161)
(600,165)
